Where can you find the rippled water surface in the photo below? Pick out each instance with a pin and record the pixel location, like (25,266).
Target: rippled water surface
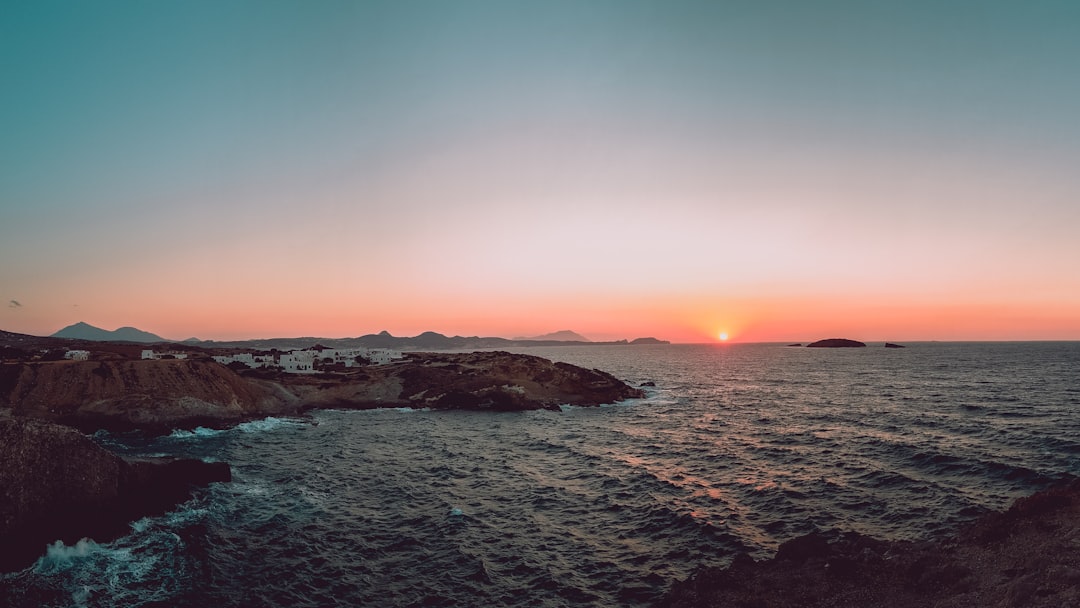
(737,448)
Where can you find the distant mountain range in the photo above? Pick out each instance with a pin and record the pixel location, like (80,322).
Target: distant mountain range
(85,331)
(428,340)
(562,336)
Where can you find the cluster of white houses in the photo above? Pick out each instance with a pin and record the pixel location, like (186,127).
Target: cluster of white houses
(151,354)
(303,361)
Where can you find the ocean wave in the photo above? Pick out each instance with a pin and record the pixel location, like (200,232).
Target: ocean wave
(263,425)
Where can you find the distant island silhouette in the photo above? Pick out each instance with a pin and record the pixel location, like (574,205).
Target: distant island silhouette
(85,331)
(565,335)
(426,340)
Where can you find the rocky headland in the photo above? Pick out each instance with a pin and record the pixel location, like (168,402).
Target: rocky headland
(494,381)
(160,395)
(1027,556)
(57,484)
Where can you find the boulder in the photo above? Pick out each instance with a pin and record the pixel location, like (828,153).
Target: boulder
(57,484)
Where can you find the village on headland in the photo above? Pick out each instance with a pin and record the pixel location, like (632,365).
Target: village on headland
(311,360)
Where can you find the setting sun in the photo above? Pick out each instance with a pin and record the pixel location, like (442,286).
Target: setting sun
(723,335)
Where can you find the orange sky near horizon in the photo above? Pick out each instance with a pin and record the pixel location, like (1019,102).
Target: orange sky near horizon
(680,321)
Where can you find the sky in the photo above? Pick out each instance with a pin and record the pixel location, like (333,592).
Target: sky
(778,171)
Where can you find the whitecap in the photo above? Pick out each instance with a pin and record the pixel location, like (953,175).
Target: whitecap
(59,556)
(267,424)
(197,432)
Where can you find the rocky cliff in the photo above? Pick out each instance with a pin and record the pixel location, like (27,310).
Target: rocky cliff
(57,484)
(1027,556)
(134,394)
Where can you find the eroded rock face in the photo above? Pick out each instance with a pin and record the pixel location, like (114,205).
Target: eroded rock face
(1027,556)
(57,484)
(120,395)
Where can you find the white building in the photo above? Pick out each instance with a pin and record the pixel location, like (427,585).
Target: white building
(381,356)
(150,354)
(303,361)
(248,359)
(298,362)
(77,355)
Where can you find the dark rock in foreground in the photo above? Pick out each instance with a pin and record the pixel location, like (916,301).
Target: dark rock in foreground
(891,345)
(57,484)
(1027,556)
(836,343)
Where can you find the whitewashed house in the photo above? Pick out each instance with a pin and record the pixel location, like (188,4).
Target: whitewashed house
(298,362)
(150,354)
(382,356)
(77,355)
(248,359)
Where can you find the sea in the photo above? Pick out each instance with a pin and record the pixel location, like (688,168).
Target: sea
(737,448)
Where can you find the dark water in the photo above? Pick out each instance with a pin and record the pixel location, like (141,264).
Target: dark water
(738,448)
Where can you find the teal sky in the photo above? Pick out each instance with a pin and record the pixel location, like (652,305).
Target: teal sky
(470,167)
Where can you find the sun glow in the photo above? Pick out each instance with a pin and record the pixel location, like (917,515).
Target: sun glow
(723,336)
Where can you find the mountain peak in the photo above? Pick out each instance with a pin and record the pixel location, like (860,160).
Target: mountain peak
(85,331)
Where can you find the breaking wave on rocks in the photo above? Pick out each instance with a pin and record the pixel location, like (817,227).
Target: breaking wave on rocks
(737,448)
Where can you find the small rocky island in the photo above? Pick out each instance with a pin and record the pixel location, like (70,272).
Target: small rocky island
(836,343)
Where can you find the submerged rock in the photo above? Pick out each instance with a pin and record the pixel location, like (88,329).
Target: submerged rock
(1027,556)
(57,484)
(836,343)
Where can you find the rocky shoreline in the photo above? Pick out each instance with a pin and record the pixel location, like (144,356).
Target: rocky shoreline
(57,484)
(157,396)
(1028,556)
